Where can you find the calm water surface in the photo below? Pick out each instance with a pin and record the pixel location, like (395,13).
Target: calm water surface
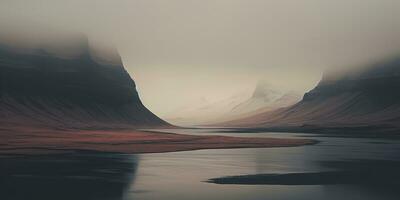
(182,175)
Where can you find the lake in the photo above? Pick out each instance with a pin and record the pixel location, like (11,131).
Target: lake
(365,168)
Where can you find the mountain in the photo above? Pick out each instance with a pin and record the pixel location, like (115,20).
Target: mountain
(264,98)
(41,86)
(366,99)
(204,111)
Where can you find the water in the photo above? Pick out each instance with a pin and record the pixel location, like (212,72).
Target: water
(183,175)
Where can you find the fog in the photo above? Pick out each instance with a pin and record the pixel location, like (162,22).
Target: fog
(180,51)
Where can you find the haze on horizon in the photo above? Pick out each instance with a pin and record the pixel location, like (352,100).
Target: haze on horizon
(182,51)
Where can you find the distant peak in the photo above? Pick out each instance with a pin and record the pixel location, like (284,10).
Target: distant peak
(263,89)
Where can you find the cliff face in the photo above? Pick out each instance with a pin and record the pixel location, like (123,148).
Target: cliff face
(363,98)
(45,89)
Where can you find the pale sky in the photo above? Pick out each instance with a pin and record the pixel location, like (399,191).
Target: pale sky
(179,51)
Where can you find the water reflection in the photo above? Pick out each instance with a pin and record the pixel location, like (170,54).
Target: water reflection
(365,169)
(357,172)
(71,176)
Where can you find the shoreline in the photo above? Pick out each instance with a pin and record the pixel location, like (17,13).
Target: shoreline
(323,131)
(36,141)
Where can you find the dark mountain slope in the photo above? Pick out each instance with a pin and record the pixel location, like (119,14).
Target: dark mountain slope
(45,89)
(360,99)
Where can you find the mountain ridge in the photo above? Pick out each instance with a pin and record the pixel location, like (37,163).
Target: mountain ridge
(80,92)
(367,98)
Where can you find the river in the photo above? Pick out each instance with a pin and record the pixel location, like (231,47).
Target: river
(184,175)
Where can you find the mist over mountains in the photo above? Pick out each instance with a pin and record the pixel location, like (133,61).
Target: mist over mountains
(264,97)
(73,86)
(67,80)
(367,100)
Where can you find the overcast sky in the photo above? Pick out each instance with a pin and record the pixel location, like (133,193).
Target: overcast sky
(179,51)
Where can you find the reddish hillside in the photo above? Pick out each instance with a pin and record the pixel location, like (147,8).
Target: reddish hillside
(366,98)
(37,87)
